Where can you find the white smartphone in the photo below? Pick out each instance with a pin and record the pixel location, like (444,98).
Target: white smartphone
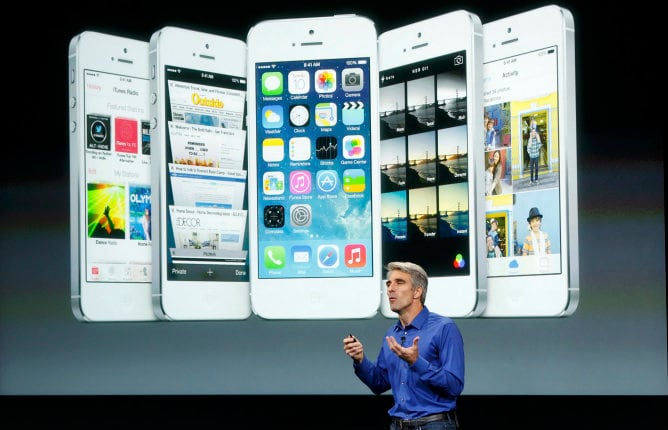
(110,184)
(531,164)
(432,209)
(313,158)
(200,248)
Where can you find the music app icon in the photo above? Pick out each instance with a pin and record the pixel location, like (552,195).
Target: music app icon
(355,255)
(300,182)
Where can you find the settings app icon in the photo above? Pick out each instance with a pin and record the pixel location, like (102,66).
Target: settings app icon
(300,215)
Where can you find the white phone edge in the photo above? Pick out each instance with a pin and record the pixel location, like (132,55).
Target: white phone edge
(346,298)
(505,297)
(98,301)
(184,300)
(453,296)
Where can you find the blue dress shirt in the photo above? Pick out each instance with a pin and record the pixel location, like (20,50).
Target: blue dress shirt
(433,383)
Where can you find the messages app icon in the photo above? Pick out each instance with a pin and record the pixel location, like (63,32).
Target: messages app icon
(272,83)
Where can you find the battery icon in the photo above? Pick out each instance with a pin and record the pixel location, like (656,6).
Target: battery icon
(550,51)
(361,62)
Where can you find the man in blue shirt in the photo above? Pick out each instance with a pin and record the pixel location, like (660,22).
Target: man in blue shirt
(421,360)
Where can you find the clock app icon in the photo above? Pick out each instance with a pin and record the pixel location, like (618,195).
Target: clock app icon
(299,115)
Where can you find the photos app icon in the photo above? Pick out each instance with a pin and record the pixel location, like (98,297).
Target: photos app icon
(325,81)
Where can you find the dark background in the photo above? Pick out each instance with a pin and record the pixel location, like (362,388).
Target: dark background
(603,367)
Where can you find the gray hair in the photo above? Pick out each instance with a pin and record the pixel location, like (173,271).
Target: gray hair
(418,275)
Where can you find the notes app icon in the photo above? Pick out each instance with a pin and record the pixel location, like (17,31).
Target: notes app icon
(355,255)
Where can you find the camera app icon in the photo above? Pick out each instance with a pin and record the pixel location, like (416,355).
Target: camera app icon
(353,79)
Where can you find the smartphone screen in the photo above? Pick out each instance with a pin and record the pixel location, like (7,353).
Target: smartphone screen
(424,154)
(523,164)
(314,169)
(117,166)
(205,176)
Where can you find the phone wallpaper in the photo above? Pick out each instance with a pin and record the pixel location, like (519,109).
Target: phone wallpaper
(117,169)
(424,165)
(522,158)
(206,176)
(314,169)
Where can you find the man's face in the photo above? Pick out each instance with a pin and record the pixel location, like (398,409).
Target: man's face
(400,291)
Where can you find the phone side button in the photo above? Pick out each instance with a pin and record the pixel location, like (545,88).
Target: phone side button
(154,98)
(73,126)
(154,122)
(73,102)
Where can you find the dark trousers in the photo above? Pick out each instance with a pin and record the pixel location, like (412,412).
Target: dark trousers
(533,166)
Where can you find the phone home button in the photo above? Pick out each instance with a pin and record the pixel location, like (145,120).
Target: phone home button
(315,296)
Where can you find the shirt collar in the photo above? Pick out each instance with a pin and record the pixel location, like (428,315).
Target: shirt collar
(418,322)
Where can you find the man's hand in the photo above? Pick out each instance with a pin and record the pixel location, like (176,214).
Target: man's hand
(353,348)
(409,354)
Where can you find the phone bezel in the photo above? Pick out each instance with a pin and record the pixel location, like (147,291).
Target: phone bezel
(186,300)
(543,295)
(299,39)
(99,301)
(455,296)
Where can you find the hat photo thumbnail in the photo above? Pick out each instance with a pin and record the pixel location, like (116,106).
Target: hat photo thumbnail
(534,212)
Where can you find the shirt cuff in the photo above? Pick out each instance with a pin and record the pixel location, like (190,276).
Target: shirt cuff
(421,365)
